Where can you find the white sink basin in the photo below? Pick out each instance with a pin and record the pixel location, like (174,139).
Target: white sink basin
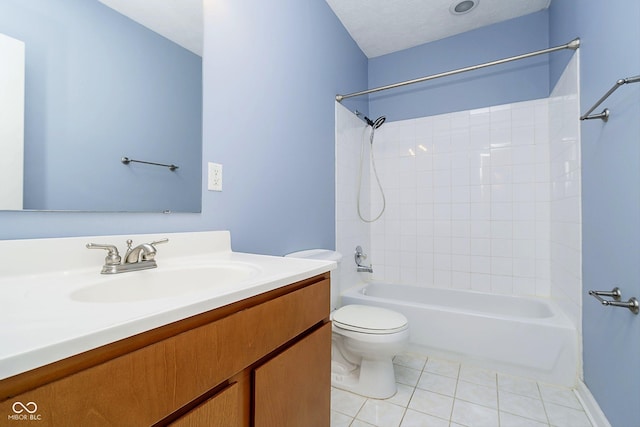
(163,283)
(62,306)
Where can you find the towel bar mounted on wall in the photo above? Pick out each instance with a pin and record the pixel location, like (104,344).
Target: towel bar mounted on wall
(127,160)
(604,115)
(616,294)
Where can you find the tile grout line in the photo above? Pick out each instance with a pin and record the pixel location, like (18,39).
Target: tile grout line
(544,406)
(458,377)
(415,387)
(424,365)
(498,399)
(455,393)
(406,408)
(355,416)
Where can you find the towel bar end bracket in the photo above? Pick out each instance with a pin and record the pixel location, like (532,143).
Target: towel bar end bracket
(632,304)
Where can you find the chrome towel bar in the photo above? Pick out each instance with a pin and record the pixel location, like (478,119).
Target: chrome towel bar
(616,294)
(604,115)
(127,160)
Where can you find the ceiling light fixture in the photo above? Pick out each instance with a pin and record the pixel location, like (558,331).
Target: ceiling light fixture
(464,6)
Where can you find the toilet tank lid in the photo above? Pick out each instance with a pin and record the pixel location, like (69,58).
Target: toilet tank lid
(323,254)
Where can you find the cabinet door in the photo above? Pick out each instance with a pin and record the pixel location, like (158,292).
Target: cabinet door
(293,389)
(222,410)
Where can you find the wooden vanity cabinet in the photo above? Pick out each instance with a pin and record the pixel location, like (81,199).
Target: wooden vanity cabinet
(222,410)
(264,361)
(290,388)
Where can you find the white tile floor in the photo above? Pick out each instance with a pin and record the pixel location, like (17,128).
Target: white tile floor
(442,393)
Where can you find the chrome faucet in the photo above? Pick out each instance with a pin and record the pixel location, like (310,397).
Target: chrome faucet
(359,256)
(141,257)
(143,252)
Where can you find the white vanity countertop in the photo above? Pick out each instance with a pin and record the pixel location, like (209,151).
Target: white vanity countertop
(41,323)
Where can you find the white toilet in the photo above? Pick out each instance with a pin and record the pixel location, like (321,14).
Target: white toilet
(365,340)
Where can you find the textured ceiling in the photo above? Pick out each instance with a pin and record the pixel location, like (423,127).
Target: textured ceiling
(178,20)
(384,26)
(378,26)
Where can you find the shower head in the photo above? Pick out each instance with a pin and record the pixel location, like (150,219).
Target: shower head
(375,123)
(378,122)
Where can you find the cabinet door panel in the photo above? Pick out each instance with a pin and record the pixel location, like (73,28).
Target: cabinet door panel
(222,410)
(293,389)
(148,384)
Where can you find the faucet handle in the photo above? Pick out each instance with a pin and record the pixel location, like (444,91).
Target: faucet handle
(148,256)
(157,242)
(112,258)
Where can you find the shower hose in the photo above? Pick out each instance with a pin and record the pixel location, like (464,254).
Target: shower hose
(375,172)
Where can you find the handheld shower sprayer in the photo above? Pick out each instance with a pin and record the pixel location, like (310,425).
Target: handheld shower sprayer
(375,123)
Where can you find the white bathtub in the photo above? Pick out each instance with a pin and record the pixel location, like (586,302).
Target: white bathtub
(522,336)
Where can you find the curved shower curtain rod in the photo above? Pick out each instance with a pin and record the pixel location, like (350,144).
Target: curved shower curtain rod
(573,45)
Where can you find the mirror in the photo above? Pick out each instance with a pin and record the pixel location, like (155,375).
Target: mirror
(98,87)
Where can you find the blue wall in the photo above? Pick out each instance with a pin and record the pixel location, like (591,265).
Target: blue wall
(271,73)
(610,50)
(512,82)
(271,70)
(99,87)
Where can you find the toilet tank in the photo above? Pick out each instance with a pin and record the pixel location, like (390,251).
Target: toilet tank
(325,255)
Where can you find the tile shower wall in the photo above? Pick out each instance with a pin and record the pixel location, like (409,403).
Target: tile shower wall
(467,200)
(566,221)
(485,199)
(350,230)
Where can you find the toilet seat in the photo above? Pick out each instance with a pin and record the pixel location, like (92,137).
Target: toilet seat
(369,320)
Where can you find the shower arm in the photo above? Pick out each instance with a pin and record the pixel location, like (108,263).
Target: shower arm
(573,45)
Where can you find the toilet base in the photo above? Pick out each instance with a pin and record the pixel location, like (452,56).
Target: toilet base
(373,378)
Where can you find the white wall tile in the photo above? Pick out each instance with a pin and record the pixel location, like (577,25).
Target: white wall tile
(480,247)
(502,284)
(486,199)
(480,282)
(480,228)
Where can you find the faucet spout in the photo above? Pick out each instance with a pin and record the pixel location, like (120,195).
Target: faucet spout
(142,252)
(364,269)
(141,257)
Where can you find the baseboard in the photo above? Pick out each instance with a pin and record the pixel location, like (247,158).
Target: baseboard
(591,407)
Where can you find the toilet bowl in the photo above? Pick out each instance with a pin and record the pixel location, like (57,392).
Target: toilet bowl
(364,340)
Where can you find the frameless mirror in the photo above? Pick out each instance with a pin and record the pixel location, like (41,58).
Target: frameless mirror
(98,87)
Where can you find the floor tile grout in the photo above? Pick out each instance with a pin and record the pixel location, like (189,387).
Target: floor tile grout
(511,388)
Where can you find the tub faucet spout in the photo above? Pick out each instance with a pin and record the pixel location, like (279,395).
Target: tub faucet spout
(365,269)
